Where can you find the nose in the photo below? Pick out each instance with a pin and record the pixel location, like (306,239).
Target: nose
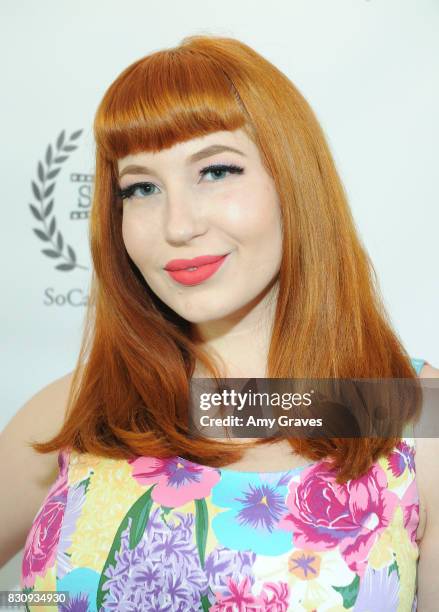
(184,217)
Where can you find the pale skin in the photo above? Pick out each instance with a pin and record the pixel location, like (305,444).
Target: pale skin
(183,215)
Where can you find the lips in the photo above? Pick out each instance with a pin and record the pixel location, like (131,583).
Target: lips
(183,264)
(196,274)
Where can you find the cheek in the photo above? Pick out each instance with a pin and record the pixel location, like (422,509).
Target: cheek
(138,232)
(256,226)
(254,217)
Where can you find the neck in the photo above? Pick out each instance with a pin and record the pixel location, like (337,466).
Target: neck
(240,341)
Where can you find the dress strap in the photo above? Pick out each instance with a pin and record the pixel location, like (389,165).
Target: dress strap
(408,432)
(417,363)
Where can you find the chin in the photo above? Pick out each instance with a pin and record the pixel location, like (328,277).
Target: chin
(198,320)
(199,316)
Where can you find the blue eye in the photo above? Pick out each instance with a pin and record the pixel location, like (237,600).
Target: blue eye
(221,168)
(130,191)
(214,169)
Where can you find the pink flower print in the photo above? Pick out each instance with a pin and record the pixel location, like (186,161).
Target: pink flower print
(402,457)
(324,515)
(177,480)
(277,601)
(410,508)
(241,599)
(63,463)
(41,544)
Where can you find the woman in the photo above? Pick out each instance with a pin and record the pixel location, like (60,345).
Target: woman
(208,150)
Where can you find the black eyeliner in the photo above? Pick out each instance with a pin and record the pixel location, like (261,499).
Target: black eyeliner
(232,168)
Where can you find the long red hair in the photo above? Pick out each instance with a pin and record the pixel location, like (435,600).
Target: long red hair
(131,385)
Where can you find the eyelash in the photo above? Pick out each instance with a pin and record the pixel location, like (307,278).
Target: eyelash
(128,192)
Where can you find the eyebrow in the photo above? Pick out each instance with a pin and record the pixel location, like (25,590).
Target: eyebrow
(206,152)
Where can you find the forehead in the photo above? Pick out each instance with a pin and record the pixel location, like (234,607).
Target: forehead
(196,148)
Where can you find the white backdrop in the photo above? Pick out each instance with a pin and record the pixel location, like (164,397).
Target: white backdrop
(369,68)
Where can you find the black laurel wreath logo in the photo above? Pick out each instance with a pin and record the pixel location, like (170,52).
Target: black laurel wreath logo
(42,192)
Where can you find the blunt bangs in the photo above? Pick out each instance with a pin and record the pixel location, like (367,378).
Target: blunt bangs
(163,99)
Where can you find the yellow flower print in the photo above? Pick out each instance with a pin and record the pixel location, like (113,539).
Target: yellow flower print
(212,541)
(381,554)
(405,553)
(111,492)
(81,465)
(395,545)
(310,576)
(45,583)
(304,564)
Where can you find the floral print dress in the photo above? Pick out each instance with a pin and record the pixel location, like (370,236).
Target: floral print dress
(171,535)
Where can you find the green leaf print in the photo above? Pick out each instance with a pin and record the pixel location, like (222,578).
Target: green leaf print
(139,514)
(349,593)
(201,527)
(393,567)
(165,510)
(86,482)
(205,603)
(27,590)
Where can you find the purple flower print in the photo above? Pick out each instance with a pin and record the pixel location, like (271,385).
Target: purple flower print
(379,590)
(402,457)
(77,603)
(223,563)
(75,501)
(161,573)
(254,507)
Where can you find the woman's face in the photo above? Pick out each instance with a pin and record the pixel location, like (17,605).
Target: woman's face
(176,209)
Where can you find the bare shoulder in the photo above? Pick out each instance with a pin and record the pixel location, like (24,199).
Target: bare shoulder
(50,402)
(428,371)
(427,451)
(43,413)
(53,398)
(37,420)
(25,474)
(427,476)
